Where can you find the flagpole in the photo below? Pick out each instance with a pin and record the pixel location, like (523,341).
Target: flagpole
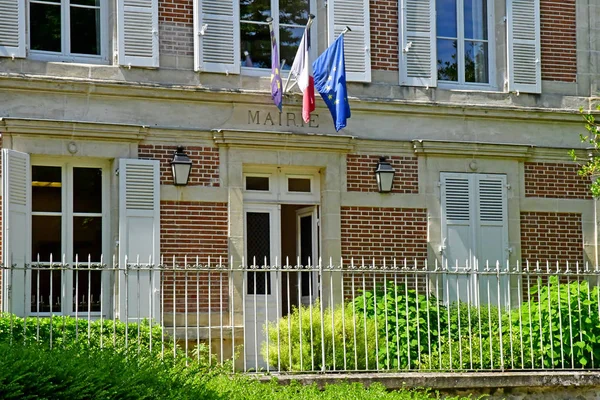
(346,29)
(311,17)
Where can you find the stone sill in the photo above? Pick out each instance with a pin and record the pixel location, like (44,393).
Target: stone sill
(473,381)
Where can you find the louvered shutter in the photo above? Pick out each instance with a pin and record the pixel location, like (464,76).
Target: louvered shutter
(12,28)
(357,42)
(16,229)
(418,43)
(217,36)
(139,239)
(524,54)
(492,235)
(137,30)
(458,234)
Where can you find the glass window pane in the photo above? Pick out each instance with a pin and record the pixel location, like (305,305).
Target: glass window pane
(87,190)
(299,185)
(46,290)
(446,60)
(258,247)
(46,240)
(87,287)
(289,40)
(85,30)
(255,10)
(446,18)
(256,45)
(93,3)
(44,26)
(476,19)
(87,238)
(46,188)
(293,12)
(476,62)
(257,183)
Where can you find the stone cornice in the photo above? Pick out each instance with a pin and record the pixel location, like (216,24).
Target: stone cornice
(283,140)
(518,152)
(73,130)
(471,149)
(150,91)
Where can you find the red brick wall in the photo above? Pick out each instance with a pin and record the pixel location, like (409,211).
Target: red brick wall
(205,163)
(558,40)
(552,237)
(360,170)
(555,180)
(378,233)
(176,27)
(193,229)
(384,35)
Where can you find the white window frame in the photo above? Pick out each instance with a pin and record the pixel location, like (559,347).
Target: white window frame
(278,185)
(251,71)
(65,55)
(460,52)
(67,215)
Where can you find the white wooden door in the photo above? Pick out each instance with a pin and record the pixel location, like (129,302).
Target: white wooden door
(262,289)
(307,250)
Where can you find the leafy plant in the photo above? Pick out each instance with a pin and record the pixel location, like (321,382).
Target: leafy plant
(560,326)
(406,323)
(590,167)
(71,333)
(34,372)
(296,341)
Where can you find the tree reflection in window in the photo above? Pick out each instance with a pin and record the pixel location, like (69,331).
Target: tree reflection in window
(254,30)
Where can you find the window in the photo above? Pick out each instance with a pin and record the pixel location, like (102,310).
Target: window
(70,30)
(67,220)
(463,41)
(260,183)
(289,20)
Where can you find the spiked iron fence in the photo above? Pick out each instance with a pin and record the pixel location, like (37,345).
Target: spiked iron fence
(346,316)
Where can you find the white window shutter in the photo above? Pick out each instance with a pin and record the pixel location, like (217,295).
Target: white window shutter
(217,36)
(492,233)
(418,52)
(137,31)
(524,53)
(457,233)
(16,229)
(139,239)
(357,42)
(12,28)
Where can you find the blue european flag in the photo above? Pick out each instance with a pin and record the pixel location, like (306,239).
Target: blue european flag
(330,81)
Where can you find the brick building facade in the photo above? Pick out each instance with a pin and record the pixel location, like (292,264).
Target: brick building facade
(474,110)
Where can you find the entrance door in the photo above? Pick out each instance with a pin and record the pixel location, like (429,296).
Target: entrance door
(306,247)
(262,301)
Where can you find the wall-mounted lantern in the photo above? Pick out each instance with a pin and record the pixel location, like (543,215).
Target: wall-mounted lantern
(384,175)
(181,166)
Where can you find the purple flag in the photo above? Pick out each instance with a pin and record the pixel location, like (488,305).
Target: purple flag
(276,86)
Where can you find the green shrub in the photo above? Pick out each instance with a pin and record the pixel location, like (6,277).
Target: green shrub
(560,325)
(402,318)
(302,349)
(34,372)
(68,332)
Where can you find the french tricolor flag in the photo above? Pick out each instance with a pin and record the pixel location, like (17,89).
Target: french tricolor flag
(302,71)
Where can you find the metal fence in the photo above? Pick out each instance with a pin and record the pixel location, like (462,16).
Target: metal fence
(403,315)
